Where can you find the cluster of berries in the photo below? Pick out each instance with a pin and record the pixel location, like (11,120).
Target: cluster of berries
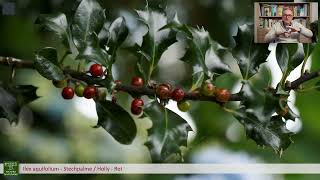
(89,92)
(163,91)
(166,92)
(222,95)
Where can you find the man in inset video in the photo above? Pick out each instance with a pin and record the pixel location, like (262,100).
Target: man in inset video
(287,30)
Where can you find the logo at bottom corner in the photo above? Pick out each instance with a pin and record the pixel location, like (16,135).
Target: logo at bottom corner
(10,168)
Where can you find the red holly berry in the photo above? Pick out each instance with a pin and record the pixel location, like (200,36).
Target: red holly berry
(90,92)
(96,70)
(137,81)
(67,93)
(136,110)
(137,103)
(163,91)
(136,106)
(222,95)
(177,94)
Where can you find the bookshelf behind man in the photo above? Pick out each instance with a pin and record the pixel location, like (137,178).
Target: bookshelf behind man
(268,13)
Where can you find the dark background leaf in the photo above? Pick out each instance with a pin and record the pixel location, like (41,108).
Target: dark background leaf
(14,98)
(24,93)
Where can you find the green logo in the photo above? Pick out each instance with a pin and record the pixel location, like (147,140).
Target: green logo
(10,168)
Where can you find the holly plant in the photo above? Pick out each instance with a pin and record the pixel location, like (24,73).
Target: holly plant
(89,39)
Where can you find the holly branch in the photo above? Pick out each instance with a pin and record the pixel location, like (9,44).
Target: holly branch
(302,79)
(148,91)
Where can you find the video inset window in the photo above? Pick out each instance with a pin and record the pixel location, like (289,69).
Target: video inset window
(286,22)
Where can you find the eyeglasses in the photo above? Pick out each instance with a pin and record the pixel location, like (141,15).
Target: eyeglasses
(287,15)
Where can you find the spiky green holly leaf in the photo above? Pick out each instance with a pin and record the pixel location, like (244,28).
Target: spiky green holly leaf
(116,121)
(267,131)
(256,114)
(46,64)
(50,54)
(56,23)
(308,49)
(92,52)
(168,133)
(289,56)
(118,32)
(88,19)
(156,41)
(205,55)
(248,54)
(14,98)
(197,80)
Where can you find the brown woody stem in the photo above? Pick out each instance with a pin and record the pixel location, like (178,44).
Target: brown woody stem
(195,96)
(305,77)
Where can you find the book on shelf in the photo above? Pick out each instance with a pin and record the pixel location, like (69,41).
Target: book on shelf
(266,10)
(276,10)
(280,8)
(268,23)
(295,10)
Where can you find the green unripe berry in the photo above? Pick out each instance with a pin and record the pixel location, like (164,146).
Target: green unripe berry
(184,106)
(102,94)
(79,90)
(208,89)
(60,84)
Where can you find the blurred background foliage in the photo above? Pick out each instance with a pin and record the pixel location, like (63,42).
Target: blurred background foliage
(61,131)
